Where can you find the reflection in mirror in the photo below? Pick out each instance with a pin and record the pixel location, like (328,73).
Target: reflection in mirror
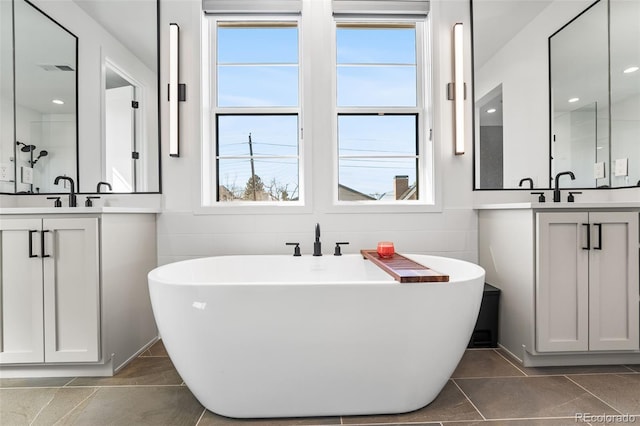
(511,41)
(45,100)
(625,92)
(580,99)
(123,33)
(510,53)
(122,131)
(489,139)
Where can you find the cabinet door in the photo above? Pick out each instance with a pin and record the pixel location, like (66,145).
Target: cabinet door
(562,282)
(613,281)
(71,290)
(21,321)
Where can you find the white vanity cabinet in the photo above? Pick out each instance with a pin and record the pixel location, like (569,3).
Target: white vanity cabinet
(74,298)
(587,281)
(50,290)
(569,280)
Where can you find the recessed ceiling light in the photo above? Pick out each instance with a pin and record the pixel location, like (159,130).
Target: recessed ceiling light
(572,100)
(631,69)
(491,110)
(58,102)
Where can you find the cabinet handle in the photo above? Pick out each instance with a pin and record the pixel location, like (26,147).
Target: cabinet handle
(588,247)
(599,246)
(31,243)
(42,244)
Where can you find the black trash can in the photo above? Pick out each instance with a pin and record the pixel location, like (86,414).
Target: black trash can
(485,333)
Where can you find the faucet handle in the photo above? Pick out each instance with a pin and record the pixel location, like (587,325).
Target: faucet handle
(337,251)
(570,198)
(296,249)
(541,198)
(89,203)
(57,202)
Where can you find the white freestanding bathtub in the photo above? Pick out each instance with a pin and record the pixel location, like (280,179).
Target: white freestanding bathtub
(284,336)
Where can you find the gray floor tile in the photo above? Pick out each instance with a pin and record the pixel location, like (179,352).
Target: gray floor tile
(621,391)
(141,371)
(157,349)
(212,419)
(564,370)
(38,406)
(530,397)
(35,382)
(140,406)
(484,363)
(635,367)
(451,404)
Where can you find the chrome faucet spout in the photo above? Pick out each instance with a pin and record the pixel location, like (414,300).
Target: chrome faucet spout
(556,190)
(317,246)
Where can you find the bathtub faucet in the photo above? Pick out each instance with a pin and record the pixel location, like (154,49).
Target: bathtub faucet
(317,246)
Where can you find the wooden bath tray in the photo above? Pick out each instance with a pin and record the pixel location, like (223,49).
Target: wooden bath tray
(404,270)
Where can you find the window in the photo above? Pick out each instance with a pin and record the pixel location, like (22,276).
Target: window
(272,70)
(380,111)
(257,111)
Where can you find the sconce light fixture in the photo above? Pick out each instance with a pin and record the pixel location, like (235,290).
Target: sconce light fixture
(176,91)
(456,90)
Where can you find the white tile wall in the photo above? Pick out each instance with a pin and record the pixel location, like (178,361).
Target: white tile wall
(183,235)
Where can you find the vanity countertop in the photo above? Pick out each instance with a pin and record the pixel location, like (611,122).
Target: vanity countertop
(76,210)
(559,206)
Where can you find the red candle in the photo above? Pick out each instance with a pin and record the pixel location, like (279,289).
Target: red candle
(385,249)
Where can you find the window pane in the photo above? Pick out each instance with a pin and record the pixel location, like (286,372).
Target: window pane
(255,86)
(376,86)
(271,136)
(275,135)
(270,45)
(376,45)
(377,135)
(377,179)
(275,180)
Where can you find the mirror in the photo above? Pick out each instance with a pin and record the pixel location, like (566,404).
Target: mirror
(117,47)
(44,84)
(512,52)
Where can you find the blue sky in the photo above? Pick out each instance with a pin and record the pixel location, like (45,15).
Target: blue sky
(259,67)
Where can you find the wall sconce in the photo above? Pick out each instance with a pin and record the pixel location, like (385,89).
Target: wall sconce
(456,91)
(176,92)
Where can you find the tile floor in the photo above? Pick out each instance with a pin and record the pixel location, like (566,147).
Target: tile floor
(488,388)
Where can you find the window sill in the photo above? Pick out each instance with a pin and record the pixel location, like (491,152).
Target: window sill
(355,207)
(253,208)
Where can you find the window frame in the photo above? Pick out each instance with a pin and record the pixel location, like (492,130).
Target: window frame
(425,151)
(209,194)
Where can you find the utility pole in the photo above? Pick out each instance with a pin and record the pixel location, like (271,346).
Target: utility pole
(253,170)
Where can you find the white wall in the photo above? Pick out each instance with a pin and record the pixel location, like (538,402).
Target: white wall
(183,234)
(95,43)
(625,134)
(521,66)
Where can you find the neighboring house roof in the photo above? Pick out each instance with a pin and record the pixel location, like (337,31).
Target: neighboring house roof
(349,194)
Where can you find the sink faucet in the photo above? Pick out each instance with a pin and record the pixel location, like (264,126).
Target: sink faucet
(72,193)
(523,180)
(107,184)
(317,247)
(556,191)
